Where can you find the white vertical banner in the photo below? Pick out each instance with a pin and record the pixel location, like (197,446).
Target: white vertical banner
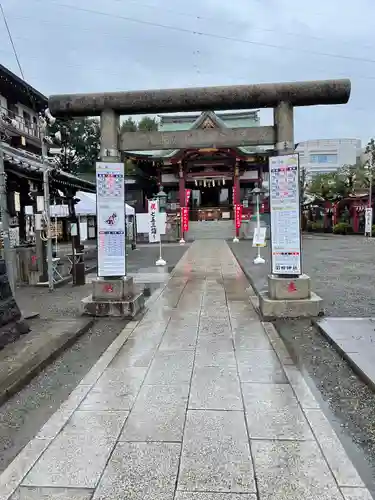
(153,229)
(368,220)
(285,215)
(110,206)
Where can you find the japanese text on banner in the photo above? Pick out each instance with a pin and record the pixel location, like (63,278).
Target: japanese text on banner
(185,219)
(285,215)
(187,196)
(238,215)
(153,210)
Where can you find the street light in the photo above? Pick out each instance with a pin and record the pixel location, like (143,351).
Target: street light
(162,199)
(257,192)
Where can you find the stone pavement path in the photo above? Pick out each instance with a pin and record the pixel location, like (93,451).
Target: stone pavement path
(197,401)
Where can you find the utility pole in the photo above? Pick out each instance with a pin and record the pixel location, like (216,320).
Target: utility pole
(8,257)
(46,196)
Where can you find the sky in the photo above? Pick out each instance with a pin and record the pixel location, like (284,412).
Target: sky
(69,46)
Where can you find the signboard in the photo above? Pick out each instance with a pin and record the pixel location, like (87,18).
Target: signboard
(259,238)
(153,230)
(187,196)
(285,215)
(368,220)
(238,215)
(185,219)
(110,207)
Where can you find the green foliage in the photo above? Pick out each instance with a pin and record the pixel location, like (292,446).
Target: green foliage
(146,124)
(129,125)
(80,144)
(317,226)
(342,228)
(323,185)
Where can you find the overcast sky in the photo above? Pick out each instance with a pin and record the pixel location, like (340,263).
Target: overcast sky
(64,48)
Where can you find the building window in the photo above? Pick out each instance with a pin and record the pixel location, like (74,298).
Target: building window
(27,119)
(319,158)
(12,110)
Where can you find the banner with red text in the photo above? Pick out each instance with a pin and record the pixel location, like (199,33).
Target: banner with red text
(185,219)
(238,215)
(187,197)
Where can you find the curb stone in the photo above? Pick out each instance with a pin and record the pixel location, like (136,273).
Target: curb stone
(25,358)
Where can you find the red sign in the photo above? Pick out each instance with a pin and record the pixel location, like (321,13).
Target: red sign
(187,196)
(292,287)
(234,194)
(108,288)
(238,215)
(185,219)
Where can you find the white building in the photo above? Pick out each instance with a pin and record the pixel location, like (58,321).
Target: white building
(328,155)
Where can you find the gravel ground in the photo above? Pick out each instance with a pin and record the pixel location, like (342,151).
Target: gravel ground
(65,300)
(23,415)
(342,271)
(347,401)
(341,268)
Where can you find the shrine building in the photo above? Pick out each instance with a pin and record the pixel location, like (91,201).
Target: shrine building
(213,175)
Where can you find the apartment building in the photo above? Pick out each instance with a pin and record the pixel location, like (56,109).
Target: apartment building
(19,107)
(328,155)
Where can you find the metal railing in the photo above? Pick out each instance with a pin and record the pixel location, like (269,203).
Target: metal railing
(17,122)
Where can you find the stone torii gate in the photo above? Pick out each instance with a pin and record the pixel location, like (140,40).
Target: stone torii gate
(282,97)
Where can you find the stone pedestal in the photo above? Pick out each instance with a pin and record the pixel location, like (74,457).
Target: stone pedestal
(290,298)
(289,289)
(113,297)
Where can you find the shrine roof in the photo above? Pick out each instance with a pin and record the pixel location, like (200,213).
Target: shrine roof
(207,119)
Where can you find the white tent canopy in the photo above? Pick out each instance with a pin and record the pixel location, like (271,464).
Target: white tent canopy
(86,206)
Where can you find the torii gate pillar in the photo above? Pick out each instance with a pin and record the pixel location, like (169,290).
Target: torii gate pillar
(112,296)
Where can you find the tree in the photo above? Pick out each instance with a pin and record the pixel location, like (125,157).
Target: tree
(323,186)
(79,148)
(129,125)
(148,124)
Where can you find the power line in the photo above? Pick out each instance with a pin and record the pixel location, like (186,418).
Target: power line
(212,35)
(208,73)
(216,19)
(11,41)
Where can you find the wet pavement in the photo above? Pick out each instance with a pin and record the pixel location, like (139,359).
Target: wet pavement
(197,401)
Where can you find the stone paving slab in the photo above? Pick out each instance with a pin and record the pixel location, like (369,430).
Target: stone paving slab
(155,420)
(354,338)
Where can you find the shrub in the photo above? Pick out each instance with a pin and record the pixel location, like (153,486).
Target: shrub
(342,228)
(317,226)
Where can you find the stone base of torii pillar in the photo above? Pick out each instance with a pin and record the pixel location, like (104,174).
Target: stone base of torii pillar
(118,297)
(289,298)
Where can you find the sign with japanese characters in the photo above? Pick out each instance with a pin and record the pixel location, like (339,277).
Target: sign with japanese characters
(285,215)
(153,230)
(185,219)
(110,201)
(259,238)
(368,220)
(187,196)
(238,215)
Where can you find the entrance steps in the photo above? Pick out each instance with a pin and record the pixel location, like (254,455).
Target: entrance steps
(210,230)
